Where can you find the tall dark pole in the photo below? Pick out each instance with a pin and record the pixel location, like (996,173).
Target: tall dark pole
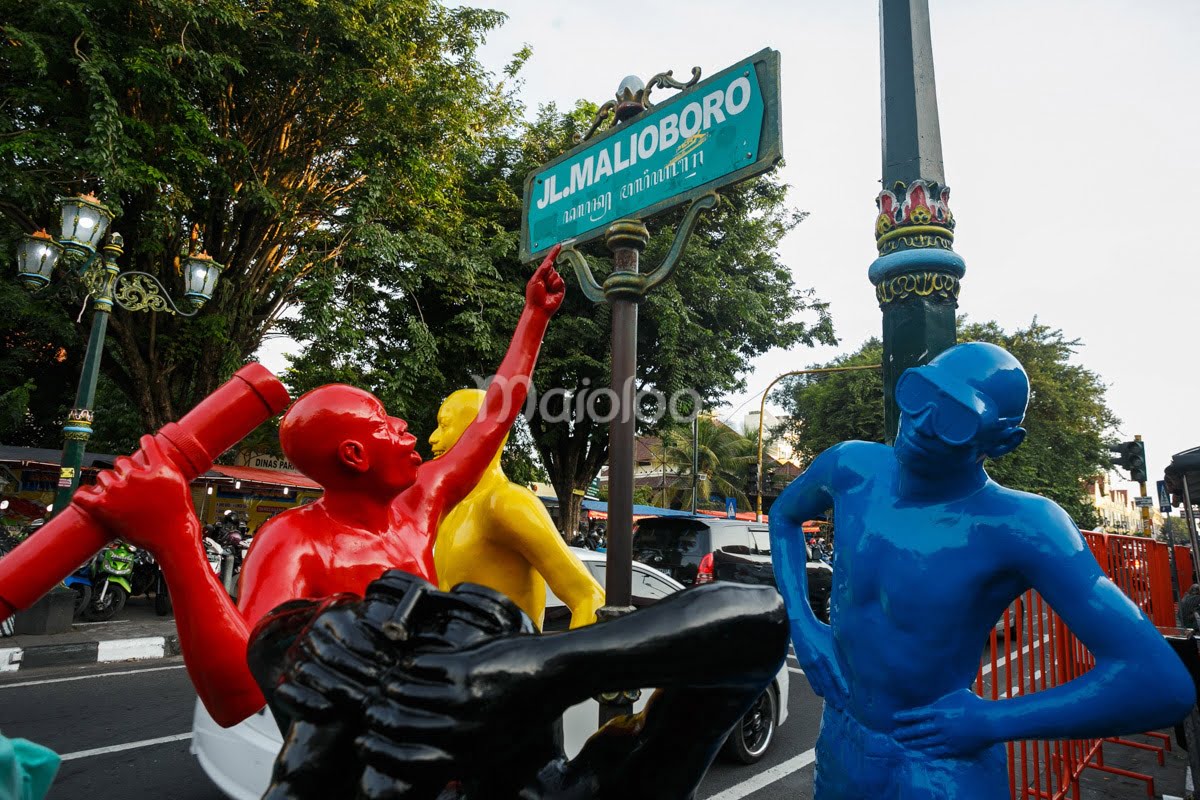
(78,428)
(917,274)
(626,239)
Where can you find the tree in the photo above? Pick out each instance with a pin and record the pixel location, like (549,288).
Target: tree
(1177,527)
(726,460)
(308,143)
(1068,420)
(414,338)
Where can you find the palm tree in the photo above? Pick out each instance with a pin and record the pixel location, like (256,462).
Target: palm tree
(724,459)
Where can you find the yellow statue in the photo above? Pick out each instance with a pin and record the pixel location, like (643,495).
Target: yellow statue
(501,535)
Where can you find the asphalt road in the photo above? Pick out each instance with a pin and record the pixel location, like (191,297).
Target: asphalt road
(92,715)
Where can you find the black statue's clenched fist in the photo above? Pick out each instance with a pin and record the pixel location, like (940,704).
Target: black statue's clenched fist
(416,694)
(321,663)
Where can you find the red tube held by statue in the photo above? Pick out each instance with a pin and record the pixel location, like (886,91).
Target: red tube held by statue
(252,396)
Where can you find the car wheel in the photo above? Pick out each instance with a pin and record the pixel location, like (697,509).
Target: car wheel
(752,736)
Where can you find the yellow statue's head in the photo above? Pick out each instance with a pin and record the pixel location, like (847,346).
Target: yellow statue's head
(457,413)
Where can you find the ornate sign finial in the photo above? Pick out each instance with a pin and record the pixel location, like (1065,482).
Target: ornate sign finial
(633,97)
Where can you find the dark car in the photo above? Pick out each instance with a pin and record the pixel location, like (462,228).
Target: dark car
(697,550)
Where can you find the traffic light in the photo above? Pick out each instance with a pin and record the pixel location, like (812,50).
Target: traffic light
(1131,456)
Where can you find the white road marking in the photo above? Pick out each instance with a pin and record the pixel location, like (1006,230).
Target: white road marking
(117,748)
(86,677)
(766,778)
(1004,659)
(796,670)
(10,659)
(129,649)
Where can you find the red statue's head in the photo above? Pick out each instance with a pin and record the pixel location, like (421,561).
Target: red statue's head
(342,438)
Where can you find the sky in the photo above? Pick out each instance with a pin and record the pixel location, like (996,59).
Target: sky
(1070,148)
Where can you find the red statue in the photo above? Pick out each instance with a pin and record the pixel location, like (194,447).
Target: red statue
(380,510)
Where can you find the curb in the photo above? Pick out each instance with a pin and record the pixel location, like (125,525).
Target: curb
(97,652)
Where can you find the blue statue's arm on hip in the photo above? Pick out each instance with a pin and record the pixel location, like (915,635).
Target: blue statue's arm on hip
(1138,683)
(806,497)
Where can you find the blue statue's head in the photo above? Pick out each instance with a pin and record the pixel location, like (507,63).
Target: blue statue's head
(963,406)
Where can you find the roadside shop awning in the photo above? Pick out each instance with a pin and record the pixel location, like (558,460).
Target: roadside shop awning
(269,477)
(44,457)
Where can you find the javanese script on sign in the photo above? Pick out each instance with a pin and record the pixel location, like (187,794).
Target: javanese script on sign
(719,132)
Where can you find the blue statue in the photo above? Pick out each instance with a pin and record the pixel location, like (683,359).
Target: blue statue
(929,553)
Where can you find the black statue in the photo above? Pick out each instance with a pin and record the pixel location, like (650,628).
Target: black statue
(411,693)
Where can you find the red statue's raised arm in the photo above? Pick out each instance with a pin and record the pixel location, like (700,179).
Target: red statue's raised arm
(443,482)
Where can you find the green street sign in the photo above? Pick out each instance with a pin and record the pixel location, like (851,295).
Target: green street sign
(719,132)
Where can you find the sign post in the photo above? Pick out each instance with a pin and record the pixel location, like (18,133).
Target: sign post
(1164,505)
(653,157)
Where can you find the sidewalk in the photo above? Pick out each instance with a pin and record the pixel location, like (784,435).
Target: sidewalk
(1169,779)
(137,633)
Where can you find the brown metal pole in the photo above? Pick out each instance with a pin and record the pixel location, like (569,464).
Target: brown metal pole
(620,445)
(626,239)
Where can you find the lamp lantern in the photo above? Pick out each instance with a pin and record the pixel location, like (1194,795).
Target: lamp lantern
(200,278)
(36,256)
(84,222)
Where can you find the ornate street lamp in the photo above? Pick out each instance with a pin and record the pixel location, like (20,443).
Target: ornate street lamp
(200,278)
(36,256)
(85,221)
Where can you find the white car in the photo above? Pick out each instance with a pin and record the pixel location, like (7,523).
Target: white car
(239,759)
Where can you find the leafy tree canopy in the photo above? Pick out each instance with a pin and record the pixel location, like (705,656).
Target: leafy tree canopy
(307,143)
(1068,420)
(725,460)
(415,335)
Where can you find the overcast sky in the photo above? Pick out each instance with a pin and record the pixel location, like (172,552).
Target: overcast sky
(1070,138)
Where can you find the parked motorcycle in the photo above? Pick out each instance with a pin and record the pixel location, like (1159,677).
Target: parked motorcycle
(148,579)
(7,542)
(80,582)
(110,582)
(230,537)
(214,552)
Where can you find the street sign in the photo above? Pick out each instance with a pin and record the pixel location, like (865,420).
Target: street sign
(1164,498)
(731,507)
(1144,502)
(721,131)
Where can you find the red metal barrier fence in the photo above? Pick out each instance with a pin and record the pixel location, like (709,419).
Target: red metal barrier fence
(1032,650)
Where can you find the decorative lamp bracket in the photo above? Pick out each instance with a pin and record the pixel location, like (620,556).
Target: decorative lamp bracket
(624,284)
(141,291)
